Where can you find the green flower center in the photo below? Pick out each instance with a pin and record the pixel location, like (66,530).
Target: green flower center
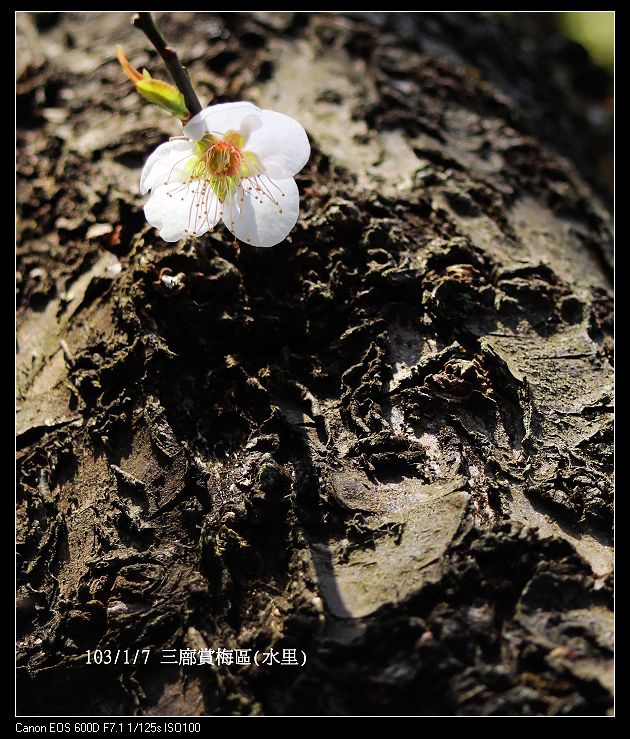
(223,163)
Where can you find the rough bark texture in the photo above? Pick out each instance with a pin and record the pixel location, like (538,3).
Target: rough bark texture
(385,442)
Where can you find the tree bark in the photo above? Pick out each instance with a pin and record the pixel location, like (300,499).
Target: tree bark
(385,443)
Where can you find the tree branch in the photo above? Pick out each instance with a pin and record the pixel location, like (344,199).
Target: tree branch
(144,21)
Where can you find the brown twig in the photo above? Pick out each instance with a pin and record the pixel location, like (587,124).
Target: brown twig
(144,21)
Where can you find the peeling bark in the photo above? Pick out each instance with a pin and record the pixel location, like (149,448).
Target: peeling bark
(385,442)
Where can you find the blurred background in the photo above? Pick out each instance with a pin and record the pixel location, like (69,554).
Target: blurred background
(593,34)
(594,30)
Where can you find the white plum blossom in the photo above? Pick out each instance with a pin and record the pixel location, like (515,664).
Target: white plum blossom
(235,162)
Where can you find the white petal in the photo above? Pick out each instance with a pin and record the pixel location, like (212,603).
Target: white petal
(219,119)
(255,217)
(181,210)
(281,145)
(166,164)
(251,122)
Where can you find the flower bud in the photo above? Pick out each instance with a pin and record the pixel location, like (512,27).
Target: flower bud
(161,93)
